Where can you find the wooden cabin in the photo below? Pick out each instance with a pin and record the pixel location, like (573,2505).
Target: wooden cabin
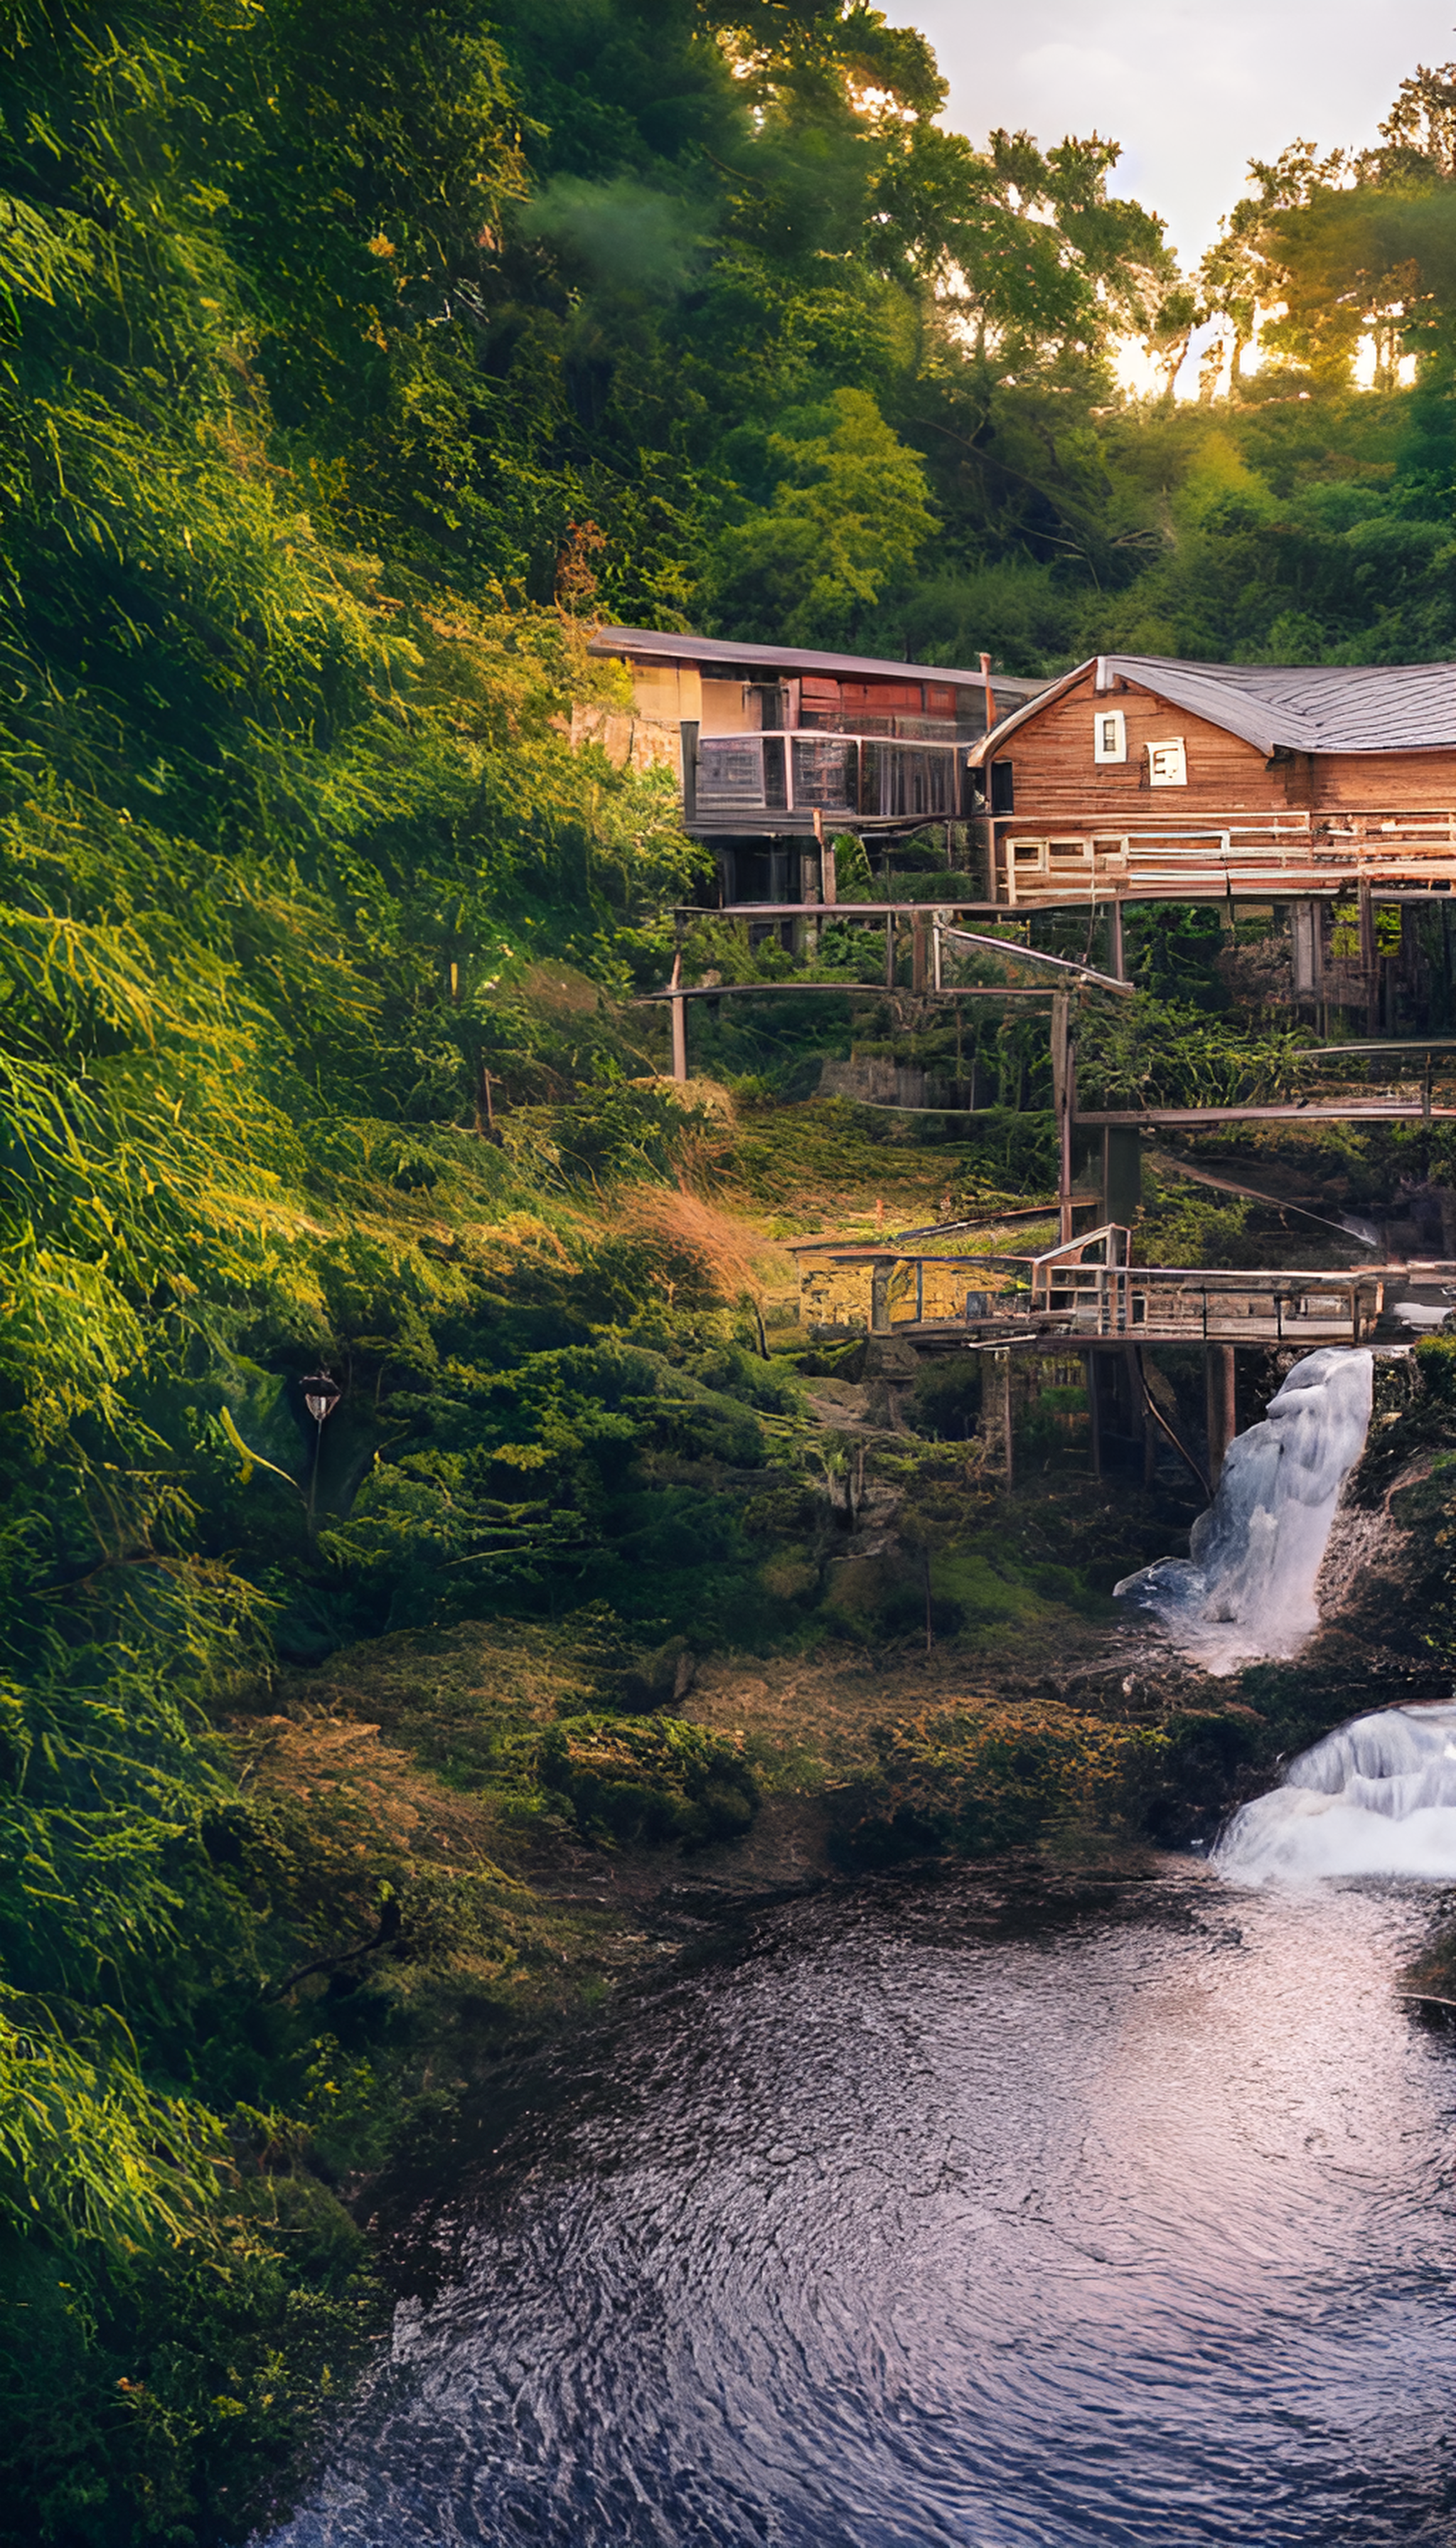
(765,739)
(1138,776)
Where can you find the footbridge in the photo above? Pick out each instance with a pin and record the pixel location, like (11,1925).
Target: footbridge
(1084,1305)
(1087,1293)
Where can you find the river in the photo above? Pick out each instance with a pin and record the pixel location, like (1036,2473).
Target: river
(911,2220)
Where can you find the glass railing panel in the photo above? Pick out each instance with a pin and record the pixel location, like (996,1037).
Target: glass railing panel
(730,774)
(825,772)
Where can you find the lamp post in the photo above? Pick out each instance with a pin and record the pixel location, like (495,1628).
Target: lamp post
(320,1397)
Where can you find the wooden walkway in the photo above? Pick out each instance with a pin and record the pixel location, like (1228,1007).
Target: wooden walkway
(1194,1118)
(1085,1295)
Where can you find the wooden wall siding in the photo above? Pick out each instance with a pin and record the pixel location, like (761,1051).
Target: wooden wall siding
(1058,782)
(1386,782)
(666,692)
(1056,779)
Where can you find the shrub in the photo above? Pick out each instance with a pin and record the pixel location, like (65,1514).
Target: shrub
(649,1779)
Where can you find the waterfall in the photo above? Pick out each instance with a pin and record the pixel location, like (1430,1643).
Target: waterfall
(1378,1797)
(1247,1591)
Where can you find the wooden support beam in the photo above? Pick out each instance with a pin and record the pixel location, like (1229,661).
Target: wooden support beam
(1001,1364)
(1220,1381)
(842,990)
(1143,1415)
(1192,1119)
(1094,1412)
(1122,1175)
(679,1025)
(1369,954)
(1062,1099)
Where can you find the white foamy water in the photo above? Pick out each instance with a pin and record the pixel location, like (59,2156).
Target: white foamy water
(1247,1591)
(1377,1797)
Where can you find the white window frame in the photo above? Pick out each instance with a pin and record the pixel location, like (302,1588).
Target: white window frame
(1167,763)
(1109,736)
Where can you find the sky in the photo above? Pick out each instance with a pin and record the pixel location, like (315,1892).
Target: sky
(1193,89)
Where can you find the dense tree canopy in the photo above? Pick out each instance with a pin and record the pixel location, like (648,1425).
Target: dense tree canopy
(351,355)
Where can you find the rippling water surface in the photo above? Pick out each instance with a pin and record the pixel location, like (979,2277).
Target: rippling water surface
(905,2225)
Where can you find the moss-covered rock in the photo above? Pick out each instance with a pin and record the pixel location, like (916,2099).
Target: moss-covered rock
(649,1779)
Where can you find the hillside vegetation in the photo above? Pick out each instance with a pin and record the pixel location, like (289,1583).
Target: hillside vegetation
(354,357)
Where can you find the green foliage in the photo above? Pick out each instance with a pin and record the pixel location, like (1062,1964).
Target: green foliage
(999,1776)
(648,1780)
(351,358)
(1150,1052)
(945,1398)
(1435,1359)
(847,517)
(1183,1223)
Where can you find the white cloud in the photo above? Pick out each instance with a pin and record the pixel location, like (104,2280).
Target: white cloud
(1192,93)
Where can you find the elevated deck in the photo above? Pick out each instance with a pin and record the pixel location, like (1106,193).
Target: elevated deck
(1084,1295)
(1271,857)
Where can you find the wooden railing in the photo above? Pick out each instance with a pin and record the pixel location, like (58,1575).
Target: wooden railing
(1278,853)
(1089,1282)
(1172,1305)
(1086,1292)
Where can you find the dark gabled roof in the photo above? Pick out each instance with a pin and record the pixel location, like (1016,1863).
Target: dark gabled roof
(1295,707)
(672,646)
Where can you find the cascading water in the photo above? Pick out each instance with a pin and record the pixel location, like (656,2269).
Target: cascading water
(1247,1591)
(1377,1797)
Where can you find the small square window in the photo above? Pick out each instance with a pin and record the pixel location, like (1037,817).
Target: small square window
(1110,735)
(1167,764)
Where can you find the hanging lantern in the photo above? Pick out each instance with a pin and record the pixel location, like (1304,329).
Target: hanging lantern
(321,1395)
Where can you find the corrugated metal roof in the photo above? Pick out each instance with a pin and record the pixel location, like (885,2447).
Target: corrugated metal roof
(673,646)
(1308,707)
(1296,708)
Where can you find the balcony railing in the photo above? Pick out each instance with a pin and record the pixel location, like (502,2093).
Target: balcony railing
(1289,853)
(868,776)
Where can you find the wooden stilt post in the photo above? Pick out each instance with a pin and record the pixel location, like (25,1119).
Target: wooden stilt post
(1094,1414)
(889,951)
(678,1009)
(1143,1413)
(1369,957)
(1116,963)
(1062,1099)
(1008,1429)
(828,873)
(917,954)
(1223,1417)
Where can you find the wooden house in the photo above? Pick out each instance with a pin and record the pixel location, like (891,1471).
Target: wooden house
(1138,776)
(771,744)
